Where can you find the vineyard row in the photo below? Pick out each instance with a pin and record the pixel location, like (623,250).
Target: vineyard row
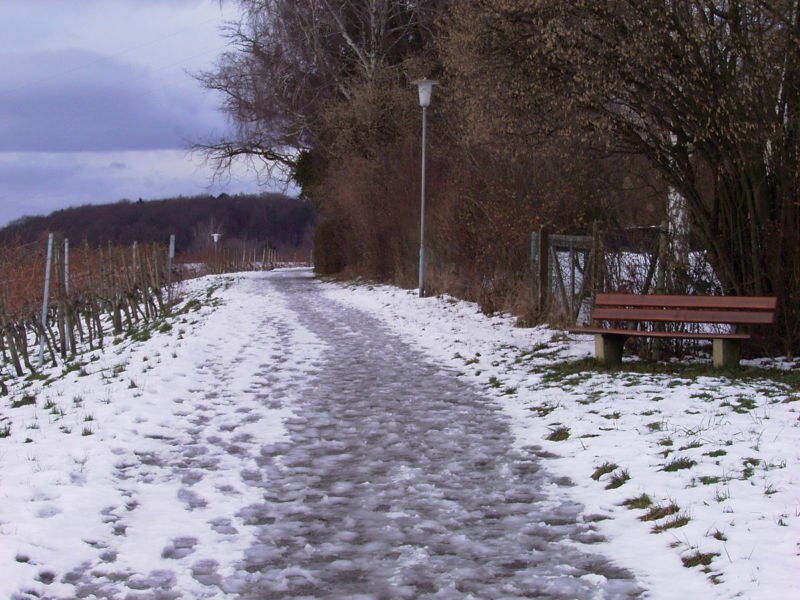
(88,293)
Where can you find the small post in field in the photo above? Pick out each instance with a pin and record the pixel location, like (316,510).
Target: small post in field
(170,258)
(49,263)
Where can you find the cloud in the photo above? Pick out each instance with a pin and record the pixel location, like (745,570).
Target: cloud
(39,183)
(77,100)
(96,103)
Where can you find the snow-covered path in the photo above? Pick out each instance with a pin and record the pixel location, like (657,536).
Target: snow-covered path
(399,481)
(311,453)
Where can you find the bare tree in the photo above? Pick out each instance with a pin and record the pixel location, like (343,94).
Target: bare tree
(291,59)
(708,90)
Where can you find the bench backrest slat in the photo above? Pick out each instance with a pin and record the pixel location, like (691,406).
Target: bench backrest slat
(736,310)
(763,303)
(683,315)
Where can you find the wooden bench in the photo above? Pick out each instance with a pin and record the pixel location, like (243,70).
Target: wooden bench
(633,309)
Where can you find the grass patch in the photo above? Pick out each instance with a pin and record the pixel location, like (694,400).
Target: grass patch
(673,523)
(659,512)
(591,398)
(655,426)
(71,367)
(618,479)
(641,502)
(690,446)
(683,373)
(545,409)
(559,434)
(139,335)
(604,469)
(709,479)
(698,559)
(26,400)
(191,305)
(559,372)
(5,430)
(749,467)
(679,463)
(743,405)
(721,495)
(716,453)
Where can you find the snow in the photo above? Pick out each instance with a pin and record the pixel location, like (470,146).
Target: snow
(153,463)
(625,418)
(73,486)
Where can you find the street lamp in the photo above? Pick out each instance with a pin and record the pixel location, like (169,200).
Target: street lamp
(215,237)
(425,87)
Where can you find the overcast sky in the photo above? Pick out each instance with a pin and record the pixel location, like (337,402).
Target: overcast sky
(97,101)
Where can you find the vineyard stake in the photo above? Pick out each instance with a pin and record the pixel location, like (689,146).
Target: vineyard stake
(170,258)
(67,345)
(66,266)
(46,297)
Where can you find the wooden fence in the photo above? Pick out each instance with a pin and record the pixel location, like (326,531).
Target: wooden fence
(637,260)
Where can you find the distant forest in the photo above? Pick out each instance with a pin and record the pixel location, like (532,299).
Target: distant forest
(270,219)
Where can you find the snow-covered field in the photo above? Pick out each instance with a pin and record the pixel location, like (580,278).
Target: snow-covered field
(87,490)
(711,460)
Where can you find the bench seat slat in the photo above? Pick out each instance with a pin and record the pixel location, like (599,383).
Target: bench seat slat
(661,334)
(682,315)
(764,303)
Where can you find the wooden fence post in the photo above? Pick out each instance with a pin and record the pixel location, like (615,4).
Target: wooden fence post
(543,275)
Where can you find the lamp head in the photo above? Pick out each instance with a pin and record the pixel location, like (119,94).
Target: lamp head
(425,87)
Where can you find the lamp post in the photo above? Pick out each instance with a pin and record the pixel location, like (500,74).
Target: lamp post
(215,237)
(425,88)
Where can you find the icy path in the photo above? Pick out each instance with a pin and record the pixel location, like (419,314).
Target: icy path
(400,482)
(395,479)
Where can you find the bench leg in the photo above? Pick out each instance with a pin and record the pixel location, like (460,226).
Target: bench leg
(726,353)
(608,349)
